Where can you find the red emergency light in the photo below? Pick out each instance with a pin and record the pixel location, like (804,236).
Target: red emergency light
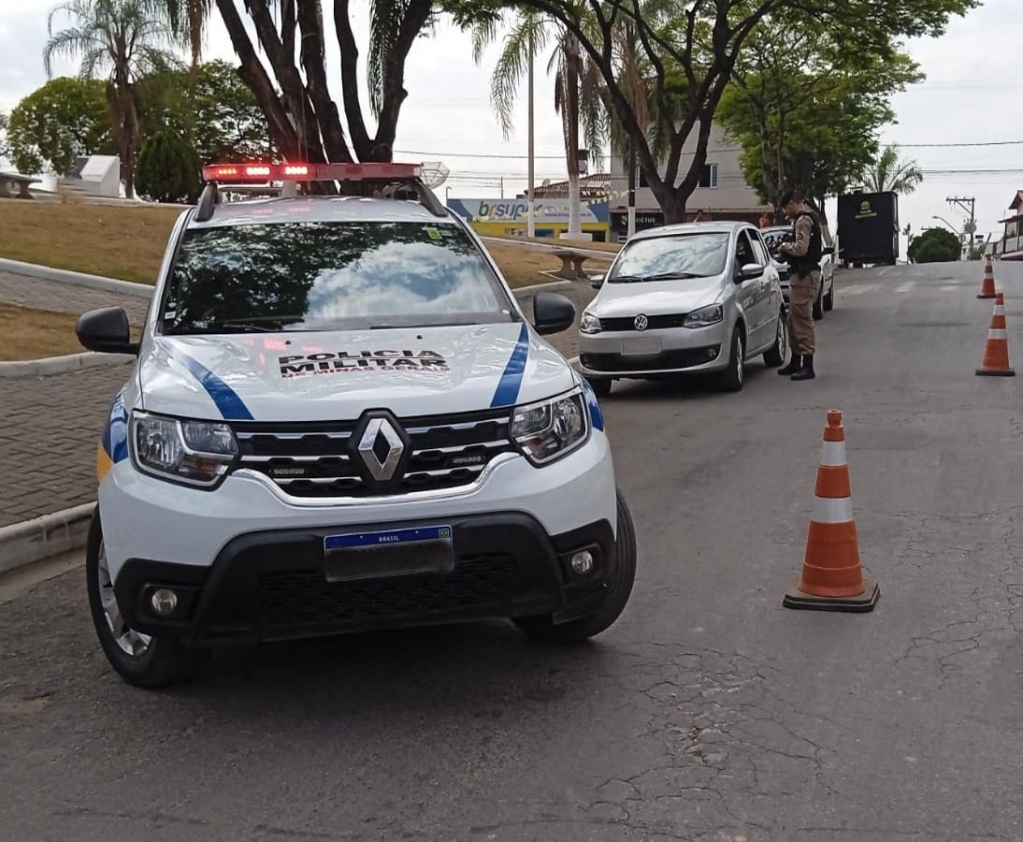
(262,172)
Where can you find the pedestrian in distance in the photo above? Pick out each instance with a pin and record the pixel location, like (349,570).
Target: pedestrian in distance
(804,258)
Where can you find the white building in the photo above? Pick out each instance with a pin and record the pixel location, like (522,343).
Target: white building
(723,192)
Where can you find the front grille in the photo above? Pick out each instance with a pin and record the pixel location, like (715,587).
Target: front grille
(320,459)
(476,585)
(687,358)
(622,323)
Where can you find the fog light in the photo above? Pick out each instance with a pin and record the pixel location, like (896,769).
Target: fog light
(582,562)
(164,601)
(712,352)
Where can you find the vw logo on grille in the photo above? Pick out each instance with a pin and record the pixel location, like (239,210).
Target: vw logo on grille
(380,448)
(641,322)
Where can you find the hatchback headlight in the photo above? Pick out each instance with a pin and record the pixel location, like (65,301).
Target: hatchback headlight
(589,324)
(705,316)
(196,453)
(549,430)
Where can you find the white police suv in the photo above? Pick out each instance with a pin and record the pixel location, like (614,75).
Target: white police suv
(340,420)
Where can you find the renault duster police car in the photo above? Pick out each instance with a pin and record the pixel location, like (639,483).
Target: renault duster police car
(339,419)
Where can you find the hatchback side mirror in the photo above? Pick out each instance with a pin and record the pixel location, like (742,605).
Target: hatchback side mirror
(748,271)
(596,281)
(106,331)
(552,313)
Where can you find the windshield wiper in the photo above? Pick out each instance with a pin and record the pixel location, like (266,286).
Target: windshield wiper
(249,321)
(627,279)
(674,276)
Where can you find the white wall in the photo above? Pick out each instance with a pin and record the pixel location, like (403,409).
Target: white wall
(732,192)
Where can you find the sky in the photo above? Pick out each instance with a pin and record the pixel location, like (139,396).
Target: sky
(971,95)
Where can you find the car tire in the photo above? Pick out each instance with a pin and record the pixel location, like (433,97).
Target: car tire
(818,304)
(619,589)
(732,378)
(162,661)
(776,354)
(601,386)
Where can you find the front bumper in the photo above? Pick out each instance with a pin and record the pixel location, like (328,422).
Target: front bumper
(682,351)
(272,585)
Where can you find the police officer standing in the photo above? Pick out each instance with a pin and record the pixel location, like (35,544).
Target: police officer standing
(804,255)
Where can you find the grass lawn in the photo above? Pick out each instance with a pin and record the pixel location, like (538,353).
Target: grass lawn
(128,242)
(31,334)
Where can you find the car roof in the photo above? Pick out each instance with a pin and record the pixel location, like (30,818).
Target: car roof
(725,226)
(319,209)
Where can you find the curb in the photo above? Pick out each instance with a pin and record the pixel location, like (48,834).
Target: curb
(531,246)
(33,540)
(45,273)
(68,364)
(530,291)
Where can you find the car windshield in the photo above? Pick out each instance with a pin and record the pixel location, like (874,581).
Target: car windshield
(676,256)
(330,276)
(773,238)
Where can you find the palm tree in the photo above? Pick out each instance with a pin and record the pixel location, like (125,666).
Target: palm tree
(890,175)
(578,95)
(127,39)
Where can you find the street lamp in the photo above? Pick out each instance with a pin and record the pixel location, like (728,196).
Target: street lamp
(952,228)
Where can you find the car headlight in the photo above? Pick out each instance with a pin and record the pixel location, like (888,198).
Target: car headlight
(589,324)
(705,316)
(196,453)
(551,429)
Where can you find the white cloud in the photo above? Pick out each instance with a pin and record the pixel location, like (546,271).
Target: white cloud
(971,94)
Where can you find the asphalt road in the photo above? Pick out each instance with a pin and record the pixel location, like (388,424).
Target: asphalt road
(708,713)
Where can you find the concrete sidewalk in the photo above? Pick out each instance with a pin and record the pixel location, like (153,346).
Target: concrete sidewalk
(52,424)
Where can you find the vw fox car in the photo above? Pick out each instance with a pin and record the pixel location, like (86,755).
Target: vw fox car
(698,298)
(339,419)
(774,236)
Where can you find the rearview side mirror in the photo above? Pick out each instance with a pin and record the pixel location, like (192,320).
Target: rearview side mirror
(106,331)
(552,313)
(596,281)
(748,271)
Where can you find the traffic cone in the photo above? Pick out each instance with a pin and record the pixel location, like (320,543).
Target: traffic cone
(996,352)
(832,579)
(987,287)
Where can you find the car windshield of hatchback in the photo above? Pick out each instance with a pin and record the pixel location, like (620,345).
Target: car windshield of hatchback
(675,257)
(305,276)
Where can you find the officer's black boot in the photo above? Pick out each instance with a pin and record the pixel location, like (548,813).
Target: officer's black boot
(805,370)
(792,366)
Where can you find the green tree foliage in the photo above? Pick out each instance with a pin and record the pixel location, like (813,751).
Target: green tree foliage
(124,40)
(63,119)
(935,245)
(5,148)
(169,169)
(692,48)
(887,173)
(806,107)
(210,107)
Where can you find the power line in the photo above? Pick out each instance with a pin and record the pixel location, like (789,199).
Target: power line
(958,145)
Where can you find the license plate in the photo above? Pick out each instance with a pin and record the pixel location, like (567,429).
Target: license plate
(644,345)
(394,552)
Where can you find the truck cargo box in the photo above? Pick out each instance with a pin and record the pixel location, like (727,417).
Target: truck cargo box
(868,228)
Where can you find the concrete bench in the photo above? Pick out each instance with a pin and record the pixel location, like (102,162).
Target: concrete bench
(10,181)
(571,264)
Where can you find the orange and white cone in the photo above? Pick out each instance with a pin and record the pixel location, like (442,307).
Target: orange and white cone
(987,286)
(996,352)
(832,578)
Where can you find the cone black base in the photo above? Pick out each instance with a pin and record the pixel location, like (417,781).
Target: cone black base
(981,295)
(985,373)
(866,601)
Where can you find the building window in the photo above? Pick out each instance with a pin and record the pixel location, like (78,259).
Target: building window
(709,176)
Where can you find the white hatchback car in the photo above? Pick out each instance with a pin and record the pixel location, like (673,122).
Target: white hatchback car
(698,298)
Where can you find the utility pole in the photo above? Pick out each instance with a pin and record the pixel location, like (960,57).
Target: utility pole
(631,164)
(966,204)
(531,217)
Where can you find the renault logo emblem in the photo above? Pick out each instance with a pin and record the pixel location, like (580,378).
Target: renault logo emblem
(641,322)
(380,448)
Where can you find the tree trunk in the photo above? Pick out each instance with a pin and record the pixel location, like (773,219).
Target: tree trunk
(571,106)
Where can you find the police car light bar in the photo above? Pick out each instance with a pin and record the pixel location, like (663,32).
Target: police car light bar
(260,172)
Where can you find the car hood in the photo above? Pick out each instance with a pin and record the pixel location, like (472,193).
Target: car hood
(656,297)
(328,376)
